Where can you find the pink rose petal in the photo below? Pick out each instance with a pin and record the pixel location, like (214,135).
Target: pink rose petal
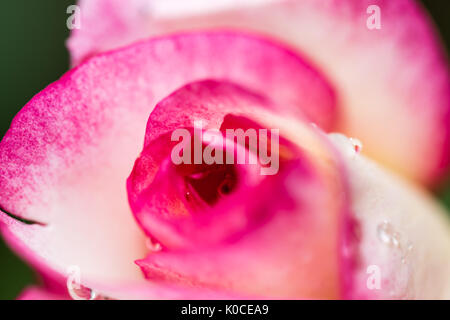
(402,235)
(65,159)
(37,293)
(272,239)
(392,83)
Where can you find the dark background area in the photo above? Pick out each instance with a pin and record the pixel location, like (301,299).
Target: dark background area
(33,54)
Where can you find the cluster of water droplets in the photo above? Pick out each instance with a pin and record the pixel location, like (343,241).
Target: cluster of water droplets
(389,236)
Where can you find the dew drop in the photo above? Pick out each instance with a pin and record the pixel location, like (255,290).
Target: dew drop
(388,235)
(152,246)
(406,253)
(350,146)
(80,292)
(409,246)
(384,232)
(396,239)
(357,145)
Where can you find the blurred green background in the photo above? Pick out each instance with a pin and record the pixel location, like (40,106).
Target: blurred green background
(33,35)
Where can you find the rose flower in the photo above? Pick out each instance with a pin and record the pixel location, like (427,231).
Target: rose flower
(119,170)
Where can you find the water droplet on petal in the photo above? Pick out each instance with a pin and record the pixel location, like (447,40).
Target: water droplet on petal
(409,246)
(80,292)
(350,146)
(357,145)
(396,239)
(152,246)
(387,234)
(384,232)
(407,252)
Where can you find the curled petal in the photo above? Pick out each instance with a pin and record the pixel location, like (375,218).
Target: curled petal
(401,240)
(273,239)
(37,293)
(65,159)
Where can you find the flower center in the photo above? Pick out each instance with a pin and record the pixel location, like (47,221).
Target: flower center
(209,183)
